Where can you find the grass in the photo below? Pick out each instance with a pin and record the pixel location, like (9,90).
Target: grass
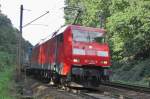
(135,73)
(6,76)
(6,83)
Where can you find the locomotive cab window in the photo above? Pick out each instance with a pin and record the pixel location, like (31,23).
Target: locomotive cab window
(96,37)
(87,36)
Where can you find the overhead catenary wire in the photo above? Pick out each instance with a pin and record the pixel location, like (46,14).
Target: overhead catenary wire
(55,33)
(36,19)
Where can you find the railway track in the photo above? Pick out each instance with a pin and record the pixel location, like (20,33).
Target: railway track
(125,91)
(128,87)
(114,89)
(91,95)
(37,89)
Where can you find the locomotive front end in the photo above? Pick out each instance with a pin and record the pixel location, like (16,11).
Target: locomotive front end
(90,55)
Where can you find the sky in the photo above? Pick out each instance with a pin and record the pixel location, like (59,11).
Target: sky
(43,27)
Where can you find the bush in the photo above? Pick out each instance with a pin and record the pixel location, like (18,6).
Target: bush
(6,83)
(6,60)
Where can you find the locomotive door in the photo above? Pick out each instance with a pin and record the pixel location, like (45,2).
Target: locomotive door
(58,42)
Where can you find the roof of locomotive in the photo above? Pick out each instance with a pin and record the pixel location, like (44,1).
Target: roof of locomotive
(61,30)
(80,28)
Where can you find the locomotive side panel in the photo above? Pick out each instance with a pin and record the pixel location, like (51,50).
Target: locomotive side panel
(35,57)
(67,57)
(60,52)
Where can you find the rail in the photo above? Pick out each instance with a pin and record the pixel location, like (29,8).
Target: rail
(127,86)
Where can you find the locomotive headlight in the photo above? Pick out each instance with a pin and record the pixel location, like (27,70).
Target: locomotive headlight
(104,62)
(102,53)
(76,60)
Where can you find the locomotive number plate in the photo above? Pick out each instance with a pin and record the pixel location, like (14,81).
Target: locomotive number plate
(91,52)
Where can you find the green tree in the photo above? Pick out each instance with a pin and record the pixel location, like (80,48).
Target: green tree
(131,25)
(128,30)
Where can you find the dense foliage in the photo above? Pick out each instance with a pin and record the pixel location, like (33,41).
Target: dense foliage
(6,75)
(8,50)
(9,38)
(8,35)
(128,28)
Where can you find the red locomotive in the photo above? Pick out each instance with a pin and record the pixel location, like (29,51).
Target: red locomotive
(75,54)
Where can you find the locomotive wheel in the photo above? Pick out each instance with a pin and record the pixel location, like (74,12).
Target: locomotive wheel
(56,79)
(51,81)
(68,89)
(62,83)
(106,78)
